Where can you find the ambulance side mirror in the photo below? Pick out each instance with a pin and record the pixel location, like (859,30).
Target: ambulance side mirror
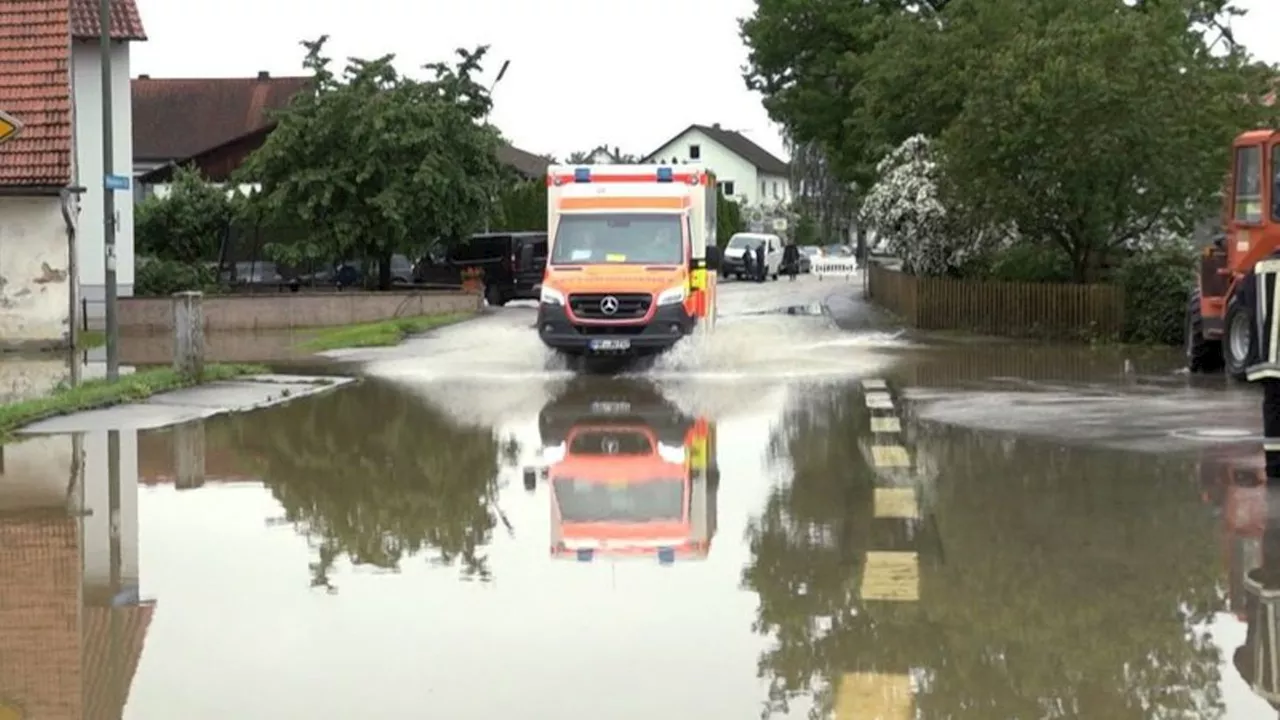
(713,258)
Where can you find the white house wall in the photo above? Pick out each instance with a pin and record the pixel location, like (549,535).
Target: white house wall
(727,166)
(87,79)
(35,305)
(36,473)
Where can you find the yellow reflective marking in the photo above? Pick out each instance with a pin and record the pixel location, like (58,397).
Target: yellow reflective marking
(891,576)
(886,424)
(890,456)
(897,503)
(874,696)
(615,257)
(879,401)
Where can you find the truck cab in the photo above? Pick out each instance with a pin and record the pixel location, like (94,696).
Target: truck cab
(630,476)
(630,268)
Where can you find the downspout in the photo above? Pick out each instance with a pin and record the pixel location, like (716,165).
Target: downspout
(68,200)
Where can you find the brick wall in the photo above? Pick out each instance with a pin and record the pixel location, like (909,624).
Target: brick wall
(40,668)
(285,311)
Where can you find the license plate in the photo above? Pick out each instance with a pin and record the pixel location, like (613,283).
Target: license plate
(611,344)
(610,407)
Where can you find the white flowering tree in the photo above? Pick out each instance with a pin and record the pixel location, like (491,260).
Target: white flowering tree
(906,210)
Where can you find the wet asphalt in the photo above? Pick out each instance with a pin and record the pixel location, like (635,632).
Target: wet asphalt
(809,513)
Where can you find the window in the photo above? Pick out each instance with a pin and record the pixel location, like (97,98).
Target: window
(1275,183)
(763,194)
(726,188)
(695,152)
(776,194)
(646,239)
(1248,200)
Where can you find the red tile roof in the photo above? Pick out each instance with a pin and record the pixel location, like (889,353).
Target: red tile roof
(175,119)
(35,88)
(126,23)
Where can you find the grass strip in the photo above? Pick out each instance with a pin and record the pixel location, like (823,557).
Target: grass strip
(379,334)
(100,393)
(89,339)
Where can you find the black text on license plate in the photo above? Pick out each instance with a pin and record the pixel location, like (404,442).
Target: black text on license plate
(611,344)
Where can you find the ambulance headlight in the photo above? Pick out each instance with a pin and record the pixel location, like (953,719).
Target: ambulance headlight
(551,296)
(672,296)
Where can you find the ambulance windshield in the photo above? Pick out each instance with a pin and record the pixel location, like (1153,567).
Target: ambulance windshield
(643,239)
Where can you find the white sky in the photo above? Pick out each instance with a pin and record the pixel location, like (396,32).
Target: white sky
(583,72)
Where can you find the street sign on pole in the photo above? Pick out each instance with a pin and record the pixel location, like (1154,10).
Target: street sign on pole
(9,126)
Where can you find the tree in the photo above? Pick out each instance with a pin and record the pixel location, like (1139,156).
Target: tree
(375,162)
(521,205)
(826,205)
(728,219)
(1090,128)
(188,225)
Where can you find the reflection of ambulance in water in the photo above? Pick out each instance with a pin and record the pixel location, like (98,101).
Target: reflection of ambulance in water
(630,475)
(1233,480)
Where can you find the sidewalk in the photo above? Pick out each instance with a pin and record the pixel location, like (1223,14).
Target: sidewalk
(194,403)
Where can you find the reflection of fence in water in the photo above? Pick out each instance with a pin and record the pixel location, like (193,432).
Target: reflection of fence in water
(1033,363)
(1047,310)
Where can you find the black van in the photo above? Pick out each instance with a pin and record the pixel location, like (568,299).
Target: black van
(513,264)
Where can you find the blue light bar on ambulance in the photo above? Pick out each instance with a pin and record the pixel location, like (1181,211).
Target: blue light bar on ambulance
(666,556)
(585,555)
(665,174)
(582,175)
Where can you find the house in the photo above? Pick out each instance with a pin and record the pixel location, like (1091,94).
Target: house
(35,172)
(211,123)
(216,123)
(745,171)
(86,81)
(603,155)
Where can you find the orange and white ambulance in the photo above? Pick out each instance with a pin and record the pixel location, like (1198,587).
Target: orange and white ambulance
(631,267)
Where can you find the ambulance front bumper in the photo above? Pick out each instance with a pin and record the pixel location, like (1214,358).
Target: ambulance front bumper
(665,327)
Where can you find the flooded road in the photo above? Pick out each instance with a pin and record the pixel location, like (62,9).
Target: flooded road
(829,528)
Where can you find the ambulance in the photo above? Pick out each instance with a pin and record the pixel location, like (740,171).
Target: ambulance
(631,477)
(631,266)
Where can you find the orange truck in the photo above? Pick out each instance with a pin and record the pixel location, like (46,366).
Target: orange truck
(630,476)
(631,267)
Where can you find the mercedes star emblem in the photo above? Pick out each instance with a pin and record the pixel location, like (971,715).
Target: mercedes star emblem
(609,305)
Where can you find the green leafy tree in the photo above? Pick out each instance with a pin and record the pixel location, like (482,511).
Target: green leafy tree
(376,475)
(375,162)
(188,225)
(729,219)
(521,205)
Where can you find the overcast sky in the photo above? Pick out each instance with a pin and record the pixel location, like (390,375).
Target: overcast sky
(583,72)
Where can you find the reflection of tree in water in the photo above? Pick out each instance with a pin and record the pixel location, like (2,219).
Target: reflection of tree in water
(376,474)
(1070,583)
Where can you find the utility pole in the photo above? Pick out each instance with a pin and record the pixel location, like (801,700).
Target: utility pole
(109,195)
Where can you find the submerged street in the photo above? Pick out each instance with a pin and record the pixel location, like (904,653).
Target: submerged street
(807,514)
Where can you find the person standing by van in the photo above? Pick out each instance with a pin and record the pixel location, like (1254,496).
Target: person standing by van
(791,259)
(762,267)
(748,264)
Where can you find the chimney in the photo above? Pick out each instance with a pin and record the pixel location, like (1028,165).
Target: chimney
(144,77)
(716,126)
(264,75)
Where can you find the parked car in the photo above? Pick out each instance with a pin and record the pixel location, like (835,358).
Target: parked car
(351,272)
(512,262)
(807,255)
(254,272)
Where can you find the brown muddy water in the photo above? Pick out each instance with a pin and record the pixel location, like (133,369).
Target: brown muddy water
(535,545)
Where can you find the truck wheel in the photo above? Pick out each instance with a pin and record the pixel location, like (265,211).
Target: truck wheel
(1203,355)
(493,295)
(1238,343)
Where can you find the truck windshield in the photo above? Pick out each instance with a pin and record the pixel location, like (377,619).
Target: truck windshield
(645,239)
(592,501)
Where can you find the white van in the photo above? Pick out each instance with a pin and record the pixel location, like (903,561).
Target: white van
(732,264)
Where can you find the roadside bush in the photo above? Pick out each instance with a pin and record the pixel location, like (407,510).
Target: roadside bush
(188,224)
(165,277)
(1156,284)
(728,219)
(1030,262)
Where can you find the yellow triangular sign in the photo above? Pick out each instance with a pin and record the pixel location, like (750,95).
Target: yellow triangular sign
(9,126)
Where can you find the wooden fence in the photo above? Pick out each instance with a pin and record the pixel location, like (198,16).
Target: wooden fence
(1011,309)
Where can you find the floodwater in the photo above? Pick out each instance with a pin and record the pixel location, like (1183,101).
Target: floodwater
(788,520)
